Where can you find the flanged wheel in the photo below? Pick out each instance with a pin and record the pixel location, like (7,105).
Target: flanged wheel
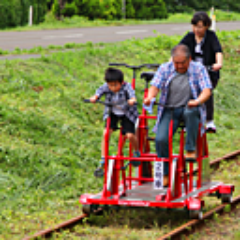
(226,198)
(86,208)
(195,214)
(89,208)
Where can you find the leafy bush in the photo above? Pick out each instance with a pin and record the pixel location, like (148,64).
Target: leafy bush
(15,12)
(10,12)
(69,9)
(190,5)
(149,9)
(112,9)
(56,8)
(130,11)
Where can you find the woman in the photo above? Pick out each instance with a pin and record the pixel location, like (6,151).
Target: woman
(205,48)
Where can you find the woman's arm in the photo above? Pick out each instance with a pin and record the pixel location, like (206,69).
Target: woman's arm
(219,61)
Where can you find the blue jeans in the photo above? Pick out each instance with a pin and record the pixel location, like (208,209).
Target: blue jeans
(191,117)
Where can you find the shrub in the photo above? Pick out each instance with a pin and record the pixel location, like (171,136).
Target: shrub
(15,12)
(149,9)
(69,9)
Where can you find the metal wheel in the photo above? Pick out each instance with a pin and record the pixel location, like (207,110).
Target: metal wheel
(226,198)
(195,214)
(89,208)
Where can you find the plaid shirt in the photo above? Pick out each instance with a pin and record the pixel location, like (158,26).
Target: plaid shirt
(198,80)
(126,92)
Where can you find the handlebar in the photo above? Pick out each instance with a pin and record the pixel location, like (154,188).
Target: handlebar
(148,65)
(107,104)
(210,68)
(101,102)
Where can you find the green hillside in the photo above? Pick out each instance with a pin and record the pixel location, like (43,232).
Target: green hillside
(50,140)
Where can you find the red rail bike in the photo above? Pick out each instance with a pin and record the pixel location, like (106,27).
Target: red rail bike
(143,186)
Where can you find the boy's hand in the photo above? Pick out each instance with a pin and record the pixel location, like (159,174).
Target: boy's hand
(132,101)
(93,99)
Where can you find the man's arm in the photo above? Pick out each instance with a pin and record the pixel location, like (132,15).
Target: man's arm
(205,87)
(152,93)
(202,98)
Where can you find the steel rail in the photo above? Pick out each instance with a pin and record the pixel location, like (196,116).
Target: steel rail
(189,227)
(72,222)
(50,231)
(230,156)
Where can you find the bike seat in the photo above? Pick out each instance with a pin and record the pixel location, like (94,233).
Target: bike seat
(147,76)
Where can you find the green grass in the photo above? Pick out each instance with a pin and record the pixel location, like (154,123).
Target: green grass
(50,140)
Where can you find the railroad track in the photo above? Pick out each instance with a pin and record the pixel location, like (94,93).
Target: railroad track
(186,228)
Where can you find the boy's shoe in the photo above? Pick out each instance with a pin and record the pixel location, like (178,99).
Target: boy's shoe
(210,127)
(136,154)
(99,172)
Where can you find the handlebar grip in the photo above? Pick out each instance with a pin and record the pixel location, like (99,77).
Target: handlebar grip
(86,100)
(117,64)
(210,68)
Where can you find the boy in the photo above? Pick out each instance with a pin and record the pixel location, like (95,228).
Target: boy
(118,91)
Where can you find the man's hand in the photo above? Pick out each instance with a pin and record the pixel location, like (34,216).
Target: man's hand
(147,101)
(193,103)
(132,101)
(93,99)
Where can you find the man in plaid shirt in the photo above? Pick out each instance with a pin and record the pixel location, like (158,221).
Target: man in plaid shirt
(185,87)
(122,96)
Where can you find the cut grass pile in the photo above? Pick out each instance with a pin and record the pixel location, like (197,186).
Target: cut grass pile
(50,139)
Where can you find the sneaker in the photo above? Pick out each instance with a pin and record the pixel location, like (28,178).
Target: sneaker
(136,154)
(99,172)
(210,127)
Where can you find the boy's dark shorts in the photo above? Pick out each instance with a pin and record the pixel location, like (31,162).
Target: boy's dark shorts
(127,125)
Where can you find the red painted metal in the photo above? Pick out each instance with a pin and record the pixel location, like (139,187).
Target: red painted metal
(123,182)
(194,204)
(226,189)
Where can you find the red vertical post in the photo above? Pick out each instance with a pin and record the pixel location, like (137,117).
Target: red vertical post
(181,167)
(170,139)
(106,156)
(205,145)
(144,146)
(133,83)
(200,156)
(130,147)
(191,177)
(122,165)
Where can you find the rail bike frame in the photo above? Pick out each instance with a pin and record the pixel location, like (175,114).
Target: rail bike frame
(187,184)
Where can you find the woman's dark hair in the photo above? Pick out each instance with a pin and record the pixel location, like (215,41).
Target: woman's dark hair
(113,75)
(201,16)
